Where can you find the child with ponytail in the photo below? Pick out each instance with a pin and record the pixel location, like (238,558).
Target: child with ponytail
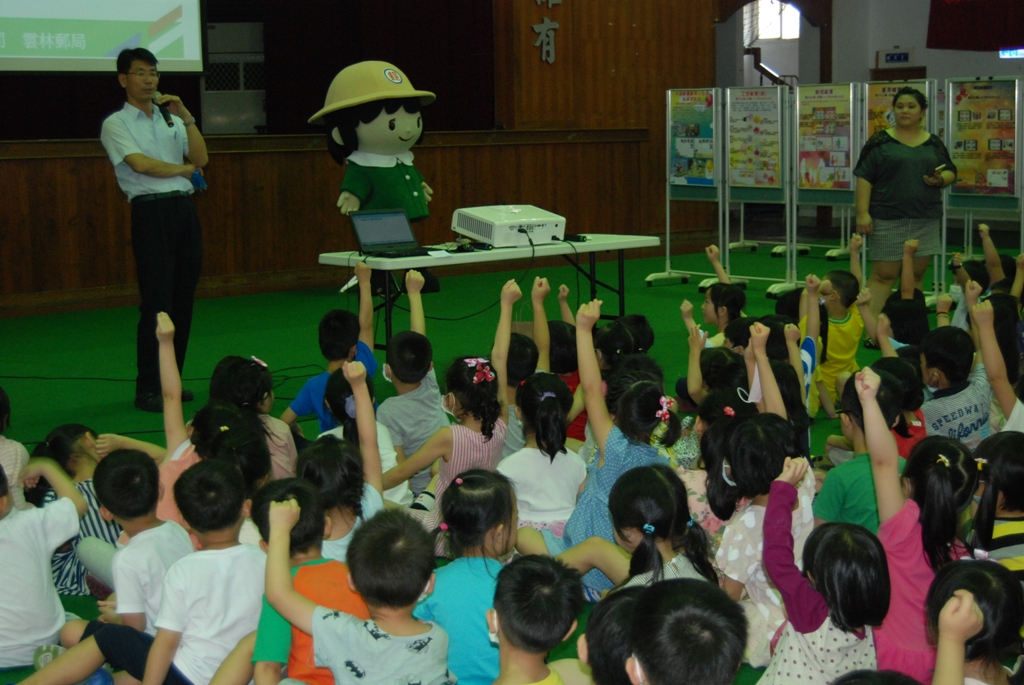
(656,537)
(918,525)
(476,398)
(998,519)
(479,530)
(624,442)
(546,474)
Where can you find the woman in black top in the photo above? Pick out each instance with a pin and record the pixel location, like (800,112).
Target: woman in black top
(900,176)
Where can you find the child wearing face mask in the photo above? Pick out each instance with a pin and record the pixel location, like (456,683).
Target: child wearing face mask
(477,438)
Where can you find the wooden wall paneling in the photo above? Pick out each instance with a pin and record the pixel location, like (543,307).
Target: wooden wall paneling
(544,91)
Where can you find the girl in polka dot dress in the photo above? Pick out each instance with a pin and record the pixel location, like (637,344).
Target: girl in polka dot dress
(832,605)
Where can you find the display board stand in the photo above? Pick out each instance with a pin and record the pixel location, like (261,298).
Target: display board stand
(693,150)
(983,134)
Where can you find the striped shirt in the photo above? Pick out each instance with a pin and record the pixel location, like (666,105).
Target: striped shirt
(470,450)
(13,457)
(68,572)
(1007,545)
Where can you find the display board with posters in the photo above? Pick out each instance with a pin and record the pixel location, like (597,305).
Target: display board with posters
(755,137)
(825,136)
(878,112)
(692,144)
(983,136)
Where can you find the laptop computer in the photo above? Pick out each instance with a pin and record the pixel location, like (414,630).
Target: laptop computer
(385,233)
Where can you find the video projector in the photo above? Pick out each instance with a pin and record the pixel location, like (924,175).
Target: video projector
(509,225)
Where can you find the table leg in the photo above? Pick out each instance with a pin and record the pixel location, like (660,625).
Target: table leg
(593,275)
(622,282)
(388,306)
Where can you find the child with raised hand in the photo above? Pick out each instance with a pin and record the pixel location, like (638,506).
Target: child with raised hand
(247,384)
(623,443)
(391,564)
(127,486)
(997,520)
(73,447)
(832,605)
(604,648)
(31,614)
(563,305)
(526,356)
(909,428)
(723,302)
(479,531)
(546,474)
(1004,393)
(344,337)
(685,632)
(656,537)
(536,603)
(340,399)
(346,474)
(918,526)
(211,598)
(14,456)
(477,400)
(975,610)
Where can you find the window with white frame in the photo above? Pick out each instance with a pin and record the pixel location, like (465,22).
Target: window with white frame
(770,20)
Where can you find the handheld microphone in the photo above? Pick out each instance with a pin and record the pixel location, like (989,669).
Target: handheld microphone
(163,109)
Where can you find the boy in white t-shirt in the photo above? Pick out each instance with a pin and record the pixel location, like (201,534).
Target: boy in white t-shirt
(211,598)
(31,614)
(127,485)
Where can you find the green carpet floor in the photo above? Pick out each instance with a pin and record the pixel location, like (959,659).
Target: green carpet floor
(80,367)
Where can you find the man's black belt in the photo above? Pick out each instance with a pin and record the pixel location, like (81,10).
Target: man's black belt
(158,196)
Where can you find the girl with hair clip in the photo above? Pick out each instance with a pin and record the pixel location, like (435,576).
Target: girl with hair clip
(832,605)
(623,443)
(918,514)
(998,521)
(340,400)
(909,429)
(247,384)
(656,538)
(477,399)
(612,343)
(479,531)
(546,474)
(975,610)
(755,451)
(73,447)
(347,474)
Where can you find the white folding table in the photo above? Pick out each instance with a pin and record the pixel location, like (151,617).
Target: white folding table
(594,243)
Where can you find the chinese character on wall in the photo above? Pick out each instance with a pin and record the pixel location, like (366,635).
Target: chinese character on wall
(546,39)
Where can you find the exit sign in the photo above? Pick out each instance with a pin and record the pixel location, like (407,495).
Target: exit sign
(894,58)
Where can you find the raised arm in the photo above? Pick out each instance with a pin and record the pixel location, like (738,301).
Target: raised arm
(811,286)
(773,403)
(884,334)
(590,374)
(942,306)
(363,274)
(414,288)
(856,242)
(983,316)
(793,340)
(881,446)
(510,294)
(366,425)
(907,284)
(197,153)
(541,334)
(959,621)
(962,277)
(294,607)
(108,442)
(714,256)
(992,263)
(563,305)
(864,307)
(170,384)
(694,377)
(61,483)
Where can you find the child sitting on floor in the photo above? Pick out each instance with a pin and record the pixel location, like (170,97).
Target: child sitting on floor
(526,357)
(604,648)
(536,603)
(31,614)
(14,456)
(391,564)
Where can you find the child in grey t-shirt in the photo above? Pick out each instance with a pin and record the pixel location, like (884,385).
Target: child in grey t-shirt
(414,414)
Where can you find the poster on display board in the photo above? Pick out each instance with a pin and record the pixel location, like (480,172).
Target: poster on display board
(825,115)
(878,102)
(755,137)
(692,151)
(983,136)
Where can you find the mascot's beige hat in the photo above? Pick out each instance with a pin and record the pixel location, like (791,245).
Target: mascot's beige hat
(365,82)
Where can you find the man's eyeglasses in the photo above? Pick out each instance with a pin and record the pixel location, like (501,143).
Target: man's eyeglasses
(144,74)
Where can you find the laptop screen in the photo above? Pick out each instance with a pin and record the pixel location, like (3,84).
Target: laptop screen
(379,229)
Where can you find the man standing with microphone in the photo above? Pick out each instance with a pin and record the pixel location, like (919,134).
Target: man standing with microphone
(156,147)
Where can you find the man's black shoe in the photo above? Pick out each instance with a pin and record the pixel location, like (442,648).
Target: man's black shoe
(187,396)
(149,401)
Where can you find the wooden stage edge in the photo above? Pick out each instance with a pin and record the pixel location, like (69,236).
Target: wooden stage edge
(83,299)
